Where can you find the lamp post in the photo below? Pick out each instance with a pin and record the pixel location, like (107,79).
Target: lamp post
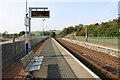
(46,28)
(43,25)
(26,24)
(86,33)
(28,30)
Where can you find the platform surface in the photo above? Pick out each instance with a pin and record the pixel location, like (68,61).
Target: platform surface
(54,65)
(57,63)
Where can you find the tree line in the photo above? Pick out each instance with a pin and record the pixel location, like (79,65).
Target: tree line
(5,34)
(45,33)
(105,29)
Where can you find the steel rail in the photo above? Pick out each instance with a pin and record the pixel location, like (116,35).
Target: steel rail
(94,63)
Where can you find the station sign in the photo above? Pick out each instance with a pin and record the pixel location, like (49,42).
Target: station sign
(26,21)
(39,12)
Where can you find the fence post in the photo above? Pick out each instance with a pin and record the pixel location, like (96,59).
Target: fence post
(14,47)
(112,40)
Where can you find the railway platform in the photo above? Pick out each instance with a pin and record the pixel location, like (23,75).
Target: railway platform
(59,63)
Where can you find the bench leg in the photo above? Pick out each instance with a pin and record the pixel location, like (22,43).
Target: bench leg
(31,76)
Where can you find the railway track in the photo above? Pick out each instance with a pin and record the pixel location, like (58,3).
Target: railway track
(106,64)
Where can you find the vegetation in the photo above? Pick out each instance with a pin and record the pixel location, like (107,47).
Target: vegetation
(49,33)
(7,35)
(21,33)
(45,33)
(70,30)
(105,29)
(52,34)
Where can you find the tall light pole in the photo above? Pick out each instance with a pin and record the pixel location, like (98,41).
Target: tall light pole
(86,33)
(46,28)
(26,24)
(28,35)
(43,25)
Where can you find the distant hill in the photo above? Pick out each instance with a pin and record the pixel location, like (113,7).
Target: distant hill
(39,32)
(36,31)
(56,31)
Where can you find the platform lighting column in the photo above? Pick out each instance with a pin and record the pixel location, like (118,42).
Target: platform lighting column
(43,25)
(26,38)
(29,34)
(86,33)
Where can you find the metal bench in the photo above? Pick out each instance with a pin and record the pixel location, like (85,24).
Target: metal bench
(31,62)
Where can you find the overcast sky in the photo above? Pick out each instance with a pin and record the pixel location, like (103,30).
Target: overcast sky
(62,13)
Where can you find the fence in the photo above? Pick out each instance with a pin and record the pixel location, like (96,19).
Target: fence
(104,40)
(10,52)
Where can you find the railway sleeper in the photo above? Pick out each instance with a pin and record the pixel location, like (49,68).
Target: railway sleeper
(98,67)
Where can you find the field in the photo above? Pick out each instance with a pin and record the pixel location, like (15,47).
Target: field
(104,40)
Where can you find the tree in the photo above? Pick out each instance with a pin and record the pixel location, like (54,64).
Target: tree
(0,34)
(52,34)
(78,27)
(15,34)
(81,32)
(97,24)
(105,29)
(21,33)
(5,34)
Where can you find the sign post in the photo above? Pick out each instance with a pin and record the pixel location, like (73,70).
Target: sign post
(34,12)
(26,35)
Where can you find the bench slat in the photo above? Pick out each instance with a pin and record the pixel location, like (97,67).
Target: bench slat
(40,57)
(39,60)
(34,68)
(36,63)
